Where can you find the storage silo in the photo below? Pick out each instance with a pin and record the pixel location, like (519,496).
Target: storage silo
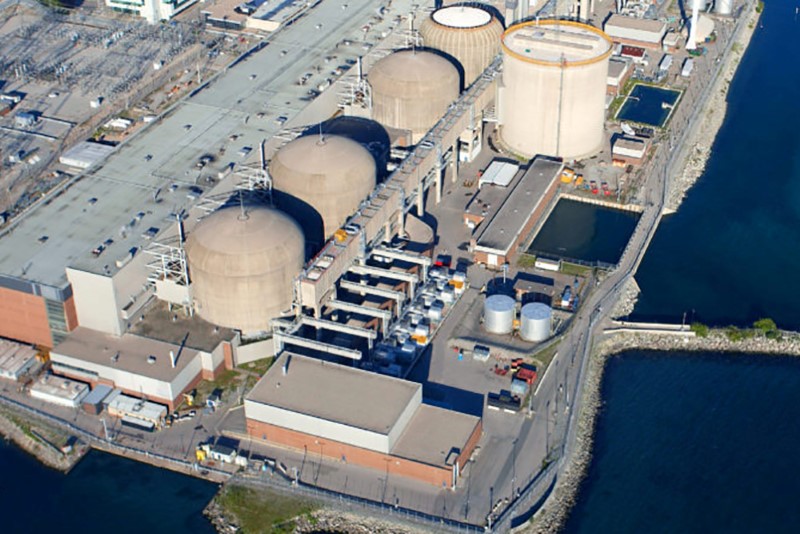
(242,263)
(723,7)
(535,320)
(321,181)
(553,91)
(412,89)
(469,33)
(498,314)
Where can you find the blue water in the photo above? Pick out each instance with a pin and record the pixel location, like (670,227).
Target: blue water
(731,252)
(643,105)
(694,443)
(581,231)
(708,443)
(103,493)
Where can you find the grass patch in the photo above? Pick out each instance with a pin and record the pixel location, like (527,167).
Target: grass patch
(545,356)
(259,366)
(263,511)
(526,261)
(574,269)
(615,105)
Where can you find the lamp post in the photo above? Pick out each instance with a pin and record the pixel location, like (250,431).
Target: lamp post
(513,466)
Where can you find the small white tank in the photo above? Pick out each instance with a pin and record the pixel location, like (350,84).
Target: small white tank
(535,321)
(498,314)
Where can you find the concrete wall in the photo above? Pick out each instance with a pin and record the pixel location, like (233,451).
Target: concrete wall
(23,317)
(254,351)
(95,301)
(343,452)
(315,426)
(406,415)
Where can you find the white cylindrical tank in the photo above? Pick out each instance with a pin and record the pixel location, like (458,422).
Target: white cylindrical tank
(411,90)
(323,177)
(723,7)
(553,91)
(535,320)
(470,34)
(242,264)
(498,314)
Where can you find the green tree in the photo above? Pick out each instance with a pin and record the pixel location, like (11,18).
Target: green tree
(699,329)
(765,326)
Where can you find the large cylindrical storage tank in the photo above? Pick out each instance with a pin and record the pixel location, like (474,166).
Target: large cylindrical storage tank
(412,89)
(535,320)
(321,181)
(498,314)
(553,91)
(723,7)
(242,263)
(470,34)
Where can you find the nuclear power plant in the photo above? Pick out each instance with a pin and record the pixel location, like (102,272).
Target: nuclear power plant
(313,219)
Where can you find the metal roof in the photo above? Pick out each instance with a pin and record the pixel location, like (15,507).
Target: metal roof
(334,392)
(136,179)
(504,228)
(433,433)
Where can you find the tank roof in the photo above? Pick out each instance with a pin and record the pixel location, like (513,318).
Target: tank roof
(549,42)
(411,66)
(461,16)
(243,231)
(500,303)
(536,310)
(315,154)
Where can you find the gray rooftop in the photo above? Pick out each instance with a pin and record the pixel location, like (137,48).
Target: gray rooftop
(501,232)
(100,349)
(137,177)
(432,433)
(333,392)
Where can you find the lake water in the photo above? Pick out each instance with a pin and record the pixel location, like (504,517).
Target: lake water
(694,443)
(587,232)
(103,493)
(708,443)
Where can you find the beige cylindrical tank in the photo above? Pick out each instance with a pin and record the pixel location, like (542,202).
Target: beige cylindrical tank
(468,33)
(552,97)
(411,90)
(242,264)
(322,177)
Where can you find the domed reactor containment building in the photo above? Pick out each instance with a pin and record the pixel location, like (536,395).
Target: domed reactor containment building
(468,33)
(320,181)
(242,262)
(411,90)
(552,95)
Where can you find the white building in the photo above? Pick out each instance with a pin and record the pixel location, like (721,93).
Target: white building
(16,359)
(152,10)
(59,390)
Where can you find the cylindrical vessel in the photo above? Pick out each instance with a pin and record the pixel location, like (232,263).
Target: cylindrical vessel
(552,97)
(242,264)
(322,179)
(411,90)
(498,314)
(470,34)
(535,320)
(723,7)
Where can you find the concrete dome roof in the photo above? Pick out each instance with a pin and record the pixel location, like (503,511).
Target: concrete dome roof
(413,74)
(239,245)
(242,266)
(332,175)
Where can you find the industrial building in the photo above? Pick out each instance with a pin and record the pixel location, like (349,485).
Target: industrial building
(552,94)
(360,418)
(16,359)
(139,366)
(635,31)
(59,390)
(629,150)
(470,34)
(619,72)
(153,11)
(411,90)
(497,242)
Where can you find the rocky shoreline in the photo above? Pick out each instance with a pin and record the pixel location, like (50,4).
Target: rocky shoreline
(553,517)
(702,138)
(15,429)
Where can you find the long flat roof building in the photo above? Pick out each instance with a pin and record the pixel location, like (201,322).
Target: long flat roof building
(631,30)
(497,240)
(359,417)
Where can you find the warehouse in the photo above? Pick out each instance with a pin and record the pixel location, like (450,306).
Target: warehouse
(497,242)
(139,366)
(85,154)
(16,360)
(633,31)
(59,390)
(361,418)
(629,150)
